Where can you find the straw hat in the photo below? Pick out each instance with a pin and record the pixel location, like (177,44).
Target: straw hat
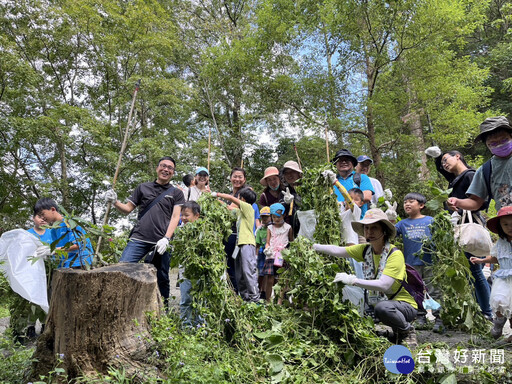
(373,216)
(270,171)
(293,165)
(494,223)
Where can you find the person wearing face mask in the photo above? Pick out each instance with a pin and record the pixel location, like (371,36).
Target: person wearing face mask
(496,133)
(272,192)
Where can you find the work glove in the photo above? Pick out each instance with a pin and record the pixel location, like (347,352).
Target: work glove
(391,211)
(214,194)
(345,278)
(111,196)
(161,245)
(43,251)
(287,196)
(267,252)
(434,151)
(388,195)
(329,175)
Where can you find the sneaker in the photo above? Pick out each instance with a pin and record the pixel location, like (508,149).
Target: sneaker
(408,338)
(498,324)
(438,326)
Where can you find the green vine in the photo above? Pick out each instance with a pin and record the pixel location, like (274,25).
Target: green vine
(451,274)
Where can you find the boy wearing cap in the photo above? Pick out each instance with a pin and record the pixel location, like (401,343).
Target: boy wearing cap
(496,180)
(363,166)
(345,162)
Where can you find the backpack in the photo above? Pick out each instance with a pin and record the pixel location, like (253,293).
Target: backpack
(487,171)
(414,285)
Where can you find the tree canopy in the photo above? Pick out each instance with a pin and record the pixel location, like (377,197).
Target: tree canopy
(265,79)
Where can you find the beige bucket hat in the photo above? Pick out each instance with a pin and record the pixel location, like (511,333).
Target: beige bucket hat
(293,165)
(373,216)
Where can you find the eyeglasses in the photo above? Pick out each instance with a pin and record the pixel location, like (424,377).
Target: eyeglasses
(165,166)
(445,159)
(345,160)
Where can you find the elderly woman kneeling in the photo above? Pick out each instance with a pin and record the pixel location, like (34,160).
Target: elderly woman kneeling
(383,270)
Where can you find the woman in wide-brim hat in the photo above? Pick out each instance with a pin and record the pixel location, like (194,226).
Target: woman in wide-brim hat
(383,271)
(290,174)
(272,193)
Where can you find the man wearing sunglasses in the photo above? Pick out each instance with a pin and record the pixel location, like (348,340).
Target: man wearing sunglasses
(159,214)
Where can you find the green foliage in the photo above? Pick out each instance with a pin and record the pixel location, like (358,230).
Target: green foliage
(15,363)
(452,275)
(316,193)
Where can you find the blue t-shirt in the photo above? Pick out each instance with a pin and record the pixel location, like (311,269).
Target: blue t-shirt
(256,215)
(348,183)
(46,237)
(413,231)
(68,237)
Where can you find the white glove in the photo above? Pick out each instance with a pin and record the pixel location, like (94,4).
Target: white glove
(388,195)
(214,194)
(111,196)
(267,252)
(434,151)
(287,196)
(391,211)
(345,278)
(161,245)
(329,175)
(43,251)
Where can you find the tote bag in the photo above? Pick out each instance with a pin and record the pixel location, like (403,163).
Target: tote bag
(473,237)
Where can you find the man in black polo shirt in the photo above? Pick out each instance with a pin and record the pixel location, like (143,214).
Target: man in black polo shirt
(156,223)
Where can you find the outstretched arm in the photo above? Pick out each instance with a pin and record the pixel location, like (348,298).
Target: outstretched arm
(225,196)
(383,284)
(333,250)
(472,203)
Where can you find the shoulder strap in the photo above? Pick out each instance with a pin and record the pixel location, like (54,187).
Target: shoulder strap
(189,190)
(487,171)
(357,179)
(394,249)
(155,201)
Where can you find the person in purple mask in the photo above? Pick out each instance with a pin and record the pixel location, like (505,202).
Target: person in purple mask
(494,178)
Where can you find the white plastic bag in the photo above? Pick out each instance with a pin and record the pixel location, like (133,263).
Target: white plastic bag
(27,277)
(347,217)
(355,295)
(307,220)
(473,237)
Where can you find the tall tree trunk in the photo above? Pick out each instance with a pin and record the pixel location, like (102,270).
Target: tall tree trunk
(413,120)
(64,187)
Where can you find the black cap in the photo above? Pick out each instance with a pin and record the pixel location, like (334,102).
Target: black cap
(344,153)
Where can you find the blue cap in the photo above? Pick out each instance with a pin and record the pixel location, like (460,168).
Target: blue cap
(202,169)
(277,207)
(362,158)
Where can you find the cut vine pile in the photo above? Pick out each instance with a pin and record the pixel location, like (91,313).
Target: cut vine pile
(451,274)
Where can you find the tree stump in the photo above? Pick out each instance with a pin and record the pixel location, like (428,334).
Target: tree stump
(98,319)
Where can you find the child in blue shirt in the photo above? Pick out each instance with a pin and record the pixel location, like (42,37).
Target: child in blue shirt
(413,230)
(74,247)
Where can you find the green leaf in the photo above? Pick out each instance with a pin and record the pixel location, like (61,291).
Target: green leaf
(276,362)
